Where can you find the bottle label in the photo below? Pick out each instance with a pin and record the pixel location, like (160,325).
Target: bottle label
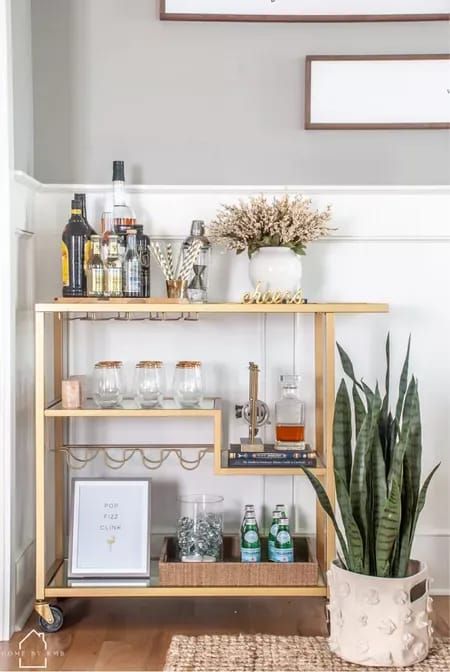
(283,555)
(113,281)
(274,530)
(64,265)
(87,254)
(251,537)
(283,537)
(250,554)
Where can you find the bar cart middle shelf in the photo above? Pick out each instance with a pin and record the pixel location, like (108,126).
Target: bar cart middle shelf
(51,576)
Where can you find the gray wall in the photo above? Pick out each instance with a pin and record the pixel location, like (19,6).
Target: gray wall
(22,85)
(209,103)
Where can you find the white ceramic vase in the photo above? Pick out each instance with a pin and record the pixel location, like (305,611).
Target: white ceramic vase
(276,269)
(380,622)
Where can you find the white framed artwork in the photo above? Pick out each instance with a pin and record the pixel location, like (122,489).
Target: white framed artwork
(305,10)
(110,528)
(377,92)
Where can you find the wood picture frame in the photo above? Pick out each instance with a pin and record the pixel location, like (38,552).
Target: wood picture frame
(176,10)
(110,528)
(375,92)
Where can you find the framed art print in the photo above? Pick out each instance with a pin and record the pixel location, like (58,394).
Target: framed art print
(110,528)
(305,10)
(377,92)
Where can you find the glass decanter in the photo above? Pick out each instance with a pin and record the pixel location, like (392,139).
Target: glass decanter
(290,414)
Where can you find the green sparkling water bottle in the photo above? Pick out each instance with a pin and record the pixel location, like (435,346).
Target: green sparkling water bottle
(276,517)
(250,542)
(284,546)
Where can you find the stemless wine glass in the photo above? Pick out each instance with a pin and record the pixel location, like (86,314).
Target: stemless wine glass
(108,384)
(187,384)
(149,382)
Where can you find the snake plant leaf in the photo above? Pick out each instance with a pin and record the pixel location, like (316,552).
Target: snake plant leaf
(403,383)
(361,470)
(388,530)
(385,407)
(352,533)
(342,434)
(378,477)
(347,365)
(403,549)
(413,452)
(422,498)
(358,482)
(327,507)
(408,424)
(360,410)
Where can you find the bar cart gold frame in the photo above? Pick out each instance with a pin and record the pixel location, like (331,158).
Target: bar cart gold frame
(49,579)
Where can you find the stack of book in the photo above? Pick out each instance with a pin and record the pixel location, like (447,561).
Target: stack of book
(279,457)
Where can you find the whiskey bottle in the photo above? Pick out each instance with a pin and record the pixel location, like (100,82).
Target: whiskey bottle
(113,269)
(95,269)
(131,271)
(74,251)
(123,216)
(290,415)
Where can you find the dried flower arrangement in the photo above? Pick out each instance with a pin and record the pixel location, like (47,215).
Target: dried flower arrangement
(285,222)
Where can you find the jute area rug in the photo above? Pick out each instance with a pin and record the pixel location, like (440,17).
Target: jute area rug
(270,653)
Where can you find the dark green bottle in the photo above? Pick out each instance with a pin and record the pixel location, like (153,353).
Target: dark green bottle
(74,250)
(82,199)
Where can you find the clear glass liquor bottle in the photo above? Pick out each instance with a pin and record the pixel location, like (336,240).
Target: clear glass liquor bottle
(131,272)
(123,215)
(197,290)
(290,414)
(107,224)
(95,269)
(113,269)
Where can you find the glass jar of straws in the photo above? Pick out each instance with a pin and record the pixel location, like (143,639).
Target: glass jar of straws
(176,272)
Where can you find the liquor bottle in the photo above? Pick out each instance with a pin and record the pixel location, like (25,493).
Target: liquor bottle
(82,199)
(131,270)
(107,224)
(95,269)
(283,550)
(250,542)
(276,517)
(123,215)
(290,414)
(143,250)
(113,269)
(197,290)
(75,240)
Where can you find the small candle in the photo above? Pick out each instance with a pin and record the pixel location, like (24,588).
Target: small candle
(70,394)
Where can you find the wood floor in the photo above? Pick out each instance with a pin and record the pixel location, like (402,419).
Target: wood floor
(135,634)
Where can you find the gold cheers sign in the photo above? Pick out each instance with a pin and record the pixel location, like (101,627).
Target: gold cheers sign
(273,296)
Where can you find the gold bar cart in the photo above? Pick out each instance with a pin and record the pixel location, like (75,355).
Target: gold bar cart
(51,581)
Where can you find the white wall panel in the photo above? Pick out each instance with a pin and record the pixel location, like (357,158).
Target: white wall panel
(390,245)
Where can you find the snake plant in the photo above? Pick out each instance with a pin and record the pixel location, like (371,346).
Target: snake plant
(377,474)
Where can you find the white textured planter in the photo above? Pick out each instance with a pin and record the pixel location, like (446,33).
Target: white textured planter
(277,269)
(379,622)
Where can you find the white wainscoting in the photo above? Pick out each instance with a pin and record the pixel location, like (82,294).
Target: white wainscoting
(391,244)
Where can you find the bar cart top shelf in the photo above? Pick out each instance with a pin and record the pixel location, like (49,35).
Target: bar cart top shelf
(65,305)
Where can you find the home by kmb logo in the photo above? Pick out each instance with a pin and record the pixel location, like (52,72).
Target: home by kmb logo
(33,651)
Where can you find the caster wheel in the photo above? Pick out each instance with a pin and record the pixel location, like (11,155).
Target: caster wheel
(57,622)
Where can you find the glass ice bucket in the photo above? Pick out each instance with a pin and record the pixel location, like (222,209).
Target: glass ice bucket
(200,528)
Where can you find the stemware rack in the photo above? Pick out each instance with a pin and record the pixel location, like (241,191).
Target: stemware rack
(51,422)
